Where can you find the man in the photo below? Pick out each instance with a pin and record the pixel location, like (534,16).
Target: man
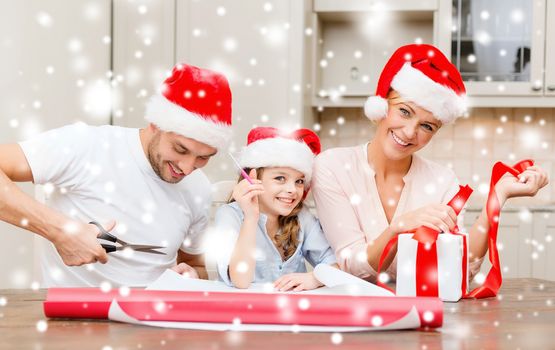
(145,185)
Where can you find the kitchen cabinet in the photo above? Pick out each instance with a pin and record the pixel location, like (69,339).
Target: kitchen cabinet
(524,242)
(543,255)
(549,89)
(503,49)
(353,40)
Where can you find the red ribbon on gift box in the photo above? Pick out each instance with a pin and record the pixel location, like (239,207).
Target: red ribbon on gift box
(426,258)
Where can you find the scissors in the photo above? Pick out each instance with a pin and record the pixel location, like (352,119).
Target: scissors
(109,248)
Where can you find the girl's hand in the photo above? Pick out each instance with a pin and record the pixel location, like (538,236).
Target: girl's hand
(246,195)
(185,270)
(297,282)
(439,217)
(528,183)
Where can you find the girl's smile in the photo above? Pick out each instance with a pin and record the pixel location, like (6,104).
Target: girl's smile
(283,190)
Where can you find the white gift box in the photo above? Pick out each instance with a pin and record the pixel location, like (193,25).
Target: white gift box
(450,256)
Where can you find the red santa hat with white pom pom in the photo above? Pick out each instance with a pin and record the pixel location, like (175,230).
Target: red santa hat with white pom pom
(271,147)
(195,103)
(423,75)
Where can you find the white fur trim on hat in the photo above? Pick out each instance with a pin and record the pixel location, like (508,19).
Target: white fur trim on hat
(375,107)
(279,152)
(170,117)
(413,85)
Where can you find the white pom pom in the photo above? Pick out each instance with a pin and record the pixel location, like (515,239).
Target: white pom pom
(375,108)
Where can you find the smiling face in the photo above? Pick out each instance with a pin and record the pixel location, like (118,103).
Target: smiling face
(173,156)
(406,129)
(283,190)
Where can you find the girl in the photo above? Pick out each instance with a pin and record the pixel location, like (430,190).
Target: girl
(366,195)
(273,233)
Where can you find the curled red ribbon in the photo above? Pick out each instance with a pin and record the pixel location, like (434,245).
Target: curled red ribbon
(426,258)
(493,280)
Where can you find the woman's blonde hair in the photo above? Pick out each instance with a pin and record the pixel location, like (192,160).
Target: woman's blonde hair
(394,98)
(288,239)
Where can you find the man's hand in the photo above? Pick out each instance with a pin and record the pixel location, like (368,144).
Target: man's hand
(77,244)
(185,270)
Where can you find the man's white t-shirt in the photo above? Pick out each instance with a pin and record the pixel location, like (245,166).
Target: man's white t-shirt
(102,174)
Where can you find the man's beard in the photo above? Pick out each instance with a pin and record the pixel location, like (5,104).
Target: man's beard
(155,159)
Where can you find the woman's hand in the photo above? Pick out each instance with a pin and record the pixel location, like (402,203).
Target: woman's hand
(246,195)
(528,184)
(439,217)
(297,282)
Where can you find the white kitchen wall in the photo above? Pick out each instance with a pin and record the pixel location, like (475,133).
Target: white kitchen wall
(55,55)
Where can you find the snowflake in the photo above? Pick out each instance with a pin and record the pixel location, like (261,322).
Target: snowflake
(160,307)
(304,304)
(147,218)
(282,301)
(44,19)
(428,316)
(42,326)
(383,277)
(221,11)
(124,291)
(242,267)
(230,44)
(105,286)
(376,321)
(336,338)
(355,199)
(142,9)
(362,256)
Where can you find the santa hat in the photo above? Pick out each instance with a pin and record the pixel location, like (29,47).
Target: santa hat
(271,147)
(195,103)
(423,75)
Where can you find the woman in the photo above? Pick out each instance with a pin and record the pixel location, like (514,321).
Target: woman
(368,194)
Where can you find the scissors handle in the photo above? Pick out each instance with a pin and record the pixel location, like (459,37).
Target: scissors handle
(108,248)
(103,233)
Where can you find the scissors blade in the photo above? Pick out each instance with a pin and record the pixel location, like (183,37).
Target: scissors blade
(142,246)
(144,249)
(149,250)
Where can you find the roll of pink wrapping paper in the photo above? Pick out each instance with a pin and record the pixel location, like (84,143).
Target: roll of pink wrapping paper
(248,308)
